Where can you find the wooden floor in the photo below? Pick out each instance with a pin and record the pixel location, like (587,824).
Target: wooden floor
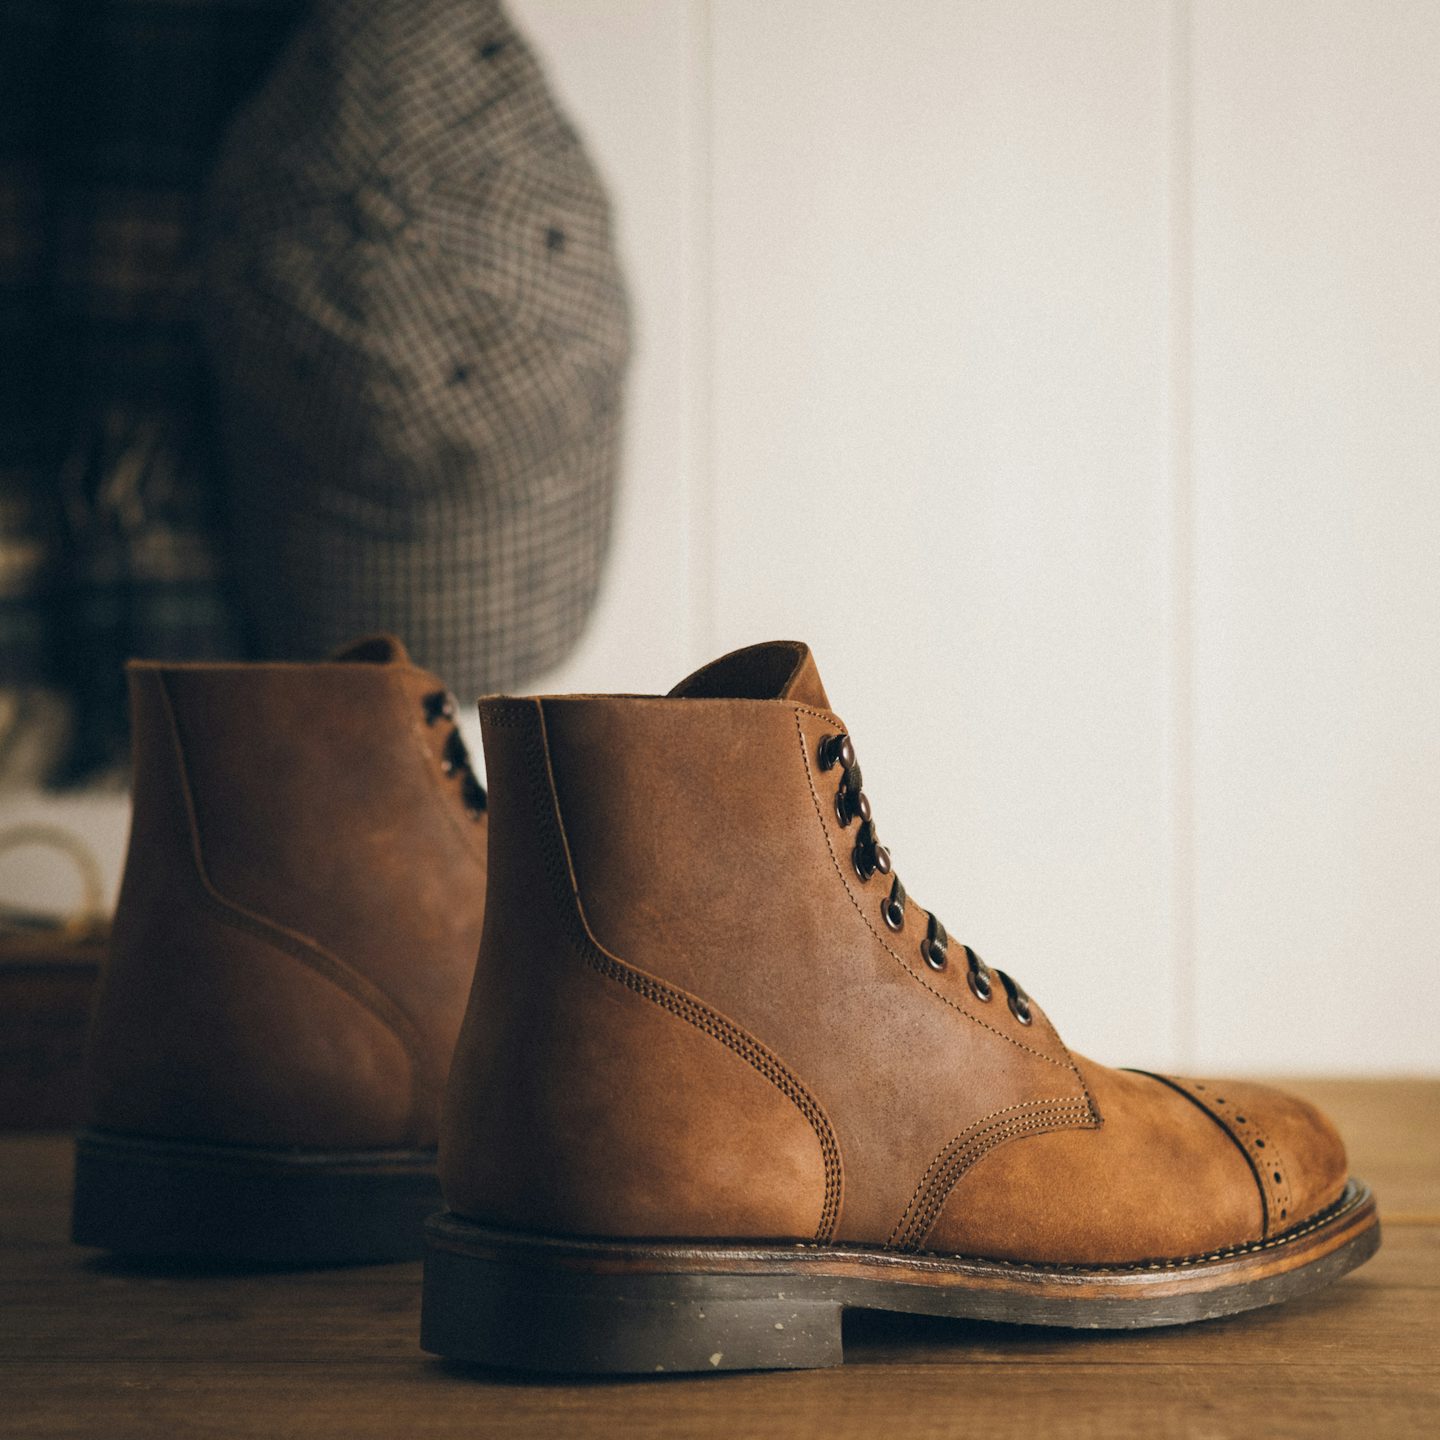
(91,1349)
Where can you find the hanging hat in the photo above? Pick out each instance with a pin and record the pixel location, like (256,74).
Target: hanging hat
(419,333)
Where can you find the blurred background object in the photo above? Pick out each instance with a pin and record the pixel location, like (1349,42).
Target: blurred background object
(1066,375)
(419,335)
(109,119)
(49,965)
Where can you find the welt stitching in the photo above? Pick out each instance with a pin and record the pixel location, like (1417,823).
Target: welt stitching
(1316,1222)
(302,948)
(1353,1199)
(899,960)
(686,1008)
(978,1146)
(963,1136)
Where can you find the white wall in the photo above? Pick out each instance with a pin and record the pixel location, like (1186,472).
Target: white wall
(1067,372)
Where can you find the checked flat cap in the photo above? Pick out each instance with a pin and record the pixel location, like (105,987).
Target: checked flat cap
(419,333)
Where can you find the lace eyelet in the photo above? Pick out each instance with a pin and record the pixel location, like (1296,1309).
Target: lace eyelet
(473,794)
(980,985)
(935,956)
(1020,1009)
(893,914)
(842,808)
(438,705)
(861,859)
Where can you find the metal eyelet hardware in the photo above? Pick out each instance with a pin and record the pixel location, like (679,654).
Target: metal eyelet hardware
(439,705)
(935,944)
(892,908)
(454,757)
(473,793)
(869,858)
(869,855)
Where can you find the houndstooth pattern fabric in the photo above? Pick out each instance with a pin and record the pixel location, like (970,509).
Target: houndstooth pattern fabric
(419,332)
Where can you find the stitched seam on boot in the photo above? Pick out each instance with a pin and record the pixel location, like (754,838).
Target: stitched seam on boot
(919,979)
(685,1007)
(956,1158)
(299,947)
(1268,1169)
(942,1174)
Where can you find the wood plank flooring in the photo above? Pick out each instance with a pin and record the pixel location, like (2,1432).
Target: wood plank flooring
(89,1348)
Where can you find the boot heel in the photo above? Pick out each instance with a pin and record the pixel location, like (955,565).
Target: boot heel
(233,1204)
(522,1302)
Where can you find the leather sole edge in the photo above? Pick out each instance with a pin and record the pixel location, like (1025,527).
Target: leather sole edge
(539,1303)
(193,1202)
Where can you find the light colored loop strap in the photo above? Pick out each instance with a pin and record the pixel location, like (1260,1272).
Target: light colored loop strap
(90,913)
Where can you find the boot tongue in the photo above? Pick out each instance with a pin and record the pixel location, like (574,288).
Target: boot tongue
(776,670)
(373,650)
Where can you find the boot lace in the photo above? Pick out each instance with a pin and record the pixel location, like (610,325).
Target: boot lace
(870,858)
(439,707)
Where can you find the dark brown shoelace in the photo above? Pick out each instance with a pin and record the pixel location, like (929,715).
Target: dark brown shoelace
(439,708)
(870,858)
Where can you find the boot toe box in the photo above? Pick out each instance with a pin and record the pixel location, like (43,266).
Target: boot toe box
(1296,1153)
(1175,1169)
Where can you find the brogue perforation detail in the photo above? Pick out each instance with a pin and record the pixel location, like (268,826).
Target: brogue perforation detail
(438,707)
(1259,1149)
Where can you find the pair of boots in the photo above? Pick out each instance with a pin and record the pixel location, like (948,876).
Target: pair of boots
(720,1076)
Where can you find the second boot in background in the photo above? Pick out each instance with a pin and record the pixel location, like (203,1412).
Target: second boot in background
(294,941)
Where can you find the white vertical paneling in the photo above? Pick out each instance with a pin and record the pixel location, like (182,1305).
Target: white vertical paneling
(940,447)
(631,75)
(1069,375)
(1317,475)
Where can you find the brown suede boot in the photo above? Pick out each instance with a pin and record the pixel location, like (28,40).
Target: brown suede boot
(295,938)
(721,1077)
